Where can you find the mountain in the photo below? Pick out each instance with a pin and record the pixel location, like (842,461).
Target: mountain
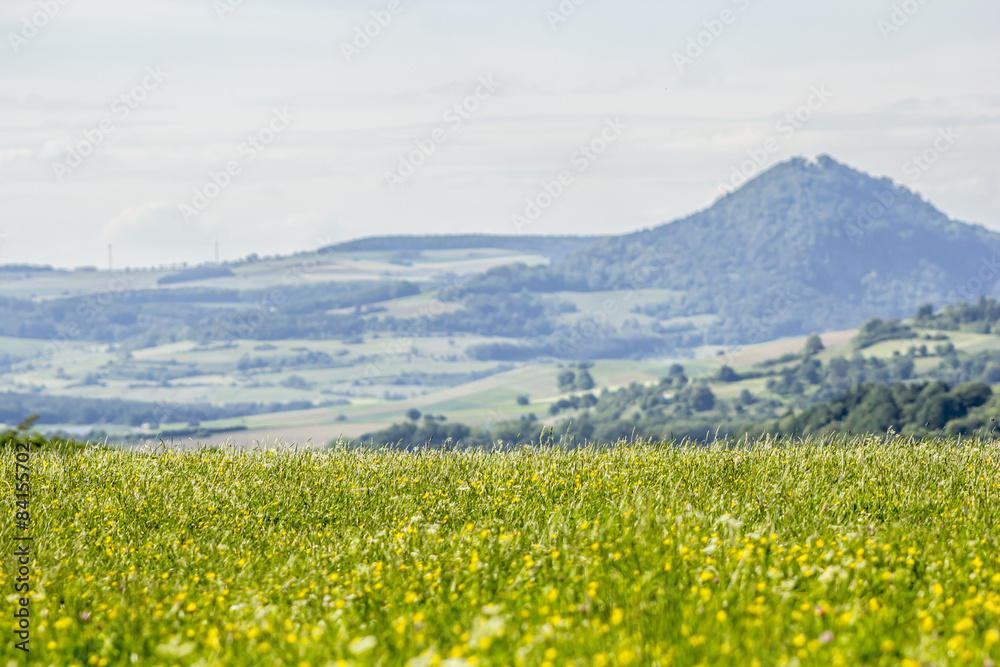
(806,246)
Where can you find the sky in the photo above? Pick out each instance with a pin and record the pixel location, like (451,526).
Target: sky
(278,126)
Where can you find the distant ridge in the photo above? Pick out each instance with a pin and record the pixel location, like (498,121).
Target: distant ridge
(204,272)
(555,247)
(25,268)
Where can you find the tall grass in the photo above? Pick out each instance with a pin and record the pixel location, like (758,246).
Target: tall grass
(846,551)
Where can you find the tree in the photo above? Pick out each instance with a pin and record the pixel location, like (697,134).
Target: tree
(814,345)
(702,399)
(727,374)
(876,411)
(296,382)
(875,331)
(676,377)
(972,395)
(523,400)
(584,381)
(566,380)
(413,414)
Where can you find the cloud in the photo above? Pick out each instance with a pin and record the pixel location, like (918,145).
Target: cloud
(155,233)
(150,218)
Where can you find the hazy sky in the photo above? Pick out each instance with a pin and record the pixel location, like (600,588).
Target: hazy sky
(187,87)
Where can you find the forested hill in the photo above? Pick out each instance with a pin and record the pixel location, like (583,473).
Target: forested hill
(806,246)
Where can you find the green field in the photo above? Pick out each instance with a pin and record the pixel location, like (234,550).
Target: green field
(367,382)
(465,390)
(850,551)
(315,267)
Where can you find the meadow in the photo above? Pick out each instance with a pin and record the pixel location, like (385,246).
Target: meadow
(848,551)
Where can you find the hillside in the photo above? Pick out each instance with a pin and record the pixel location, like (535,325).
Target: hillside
(554,247)
(806,246)
(910,377)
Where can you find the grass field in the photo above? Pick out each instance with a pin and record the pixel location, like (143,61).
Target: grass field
(846,552)
(368,382)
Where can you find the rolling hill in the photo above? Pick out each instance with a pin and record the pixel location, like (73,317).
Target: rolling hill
(555,247)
